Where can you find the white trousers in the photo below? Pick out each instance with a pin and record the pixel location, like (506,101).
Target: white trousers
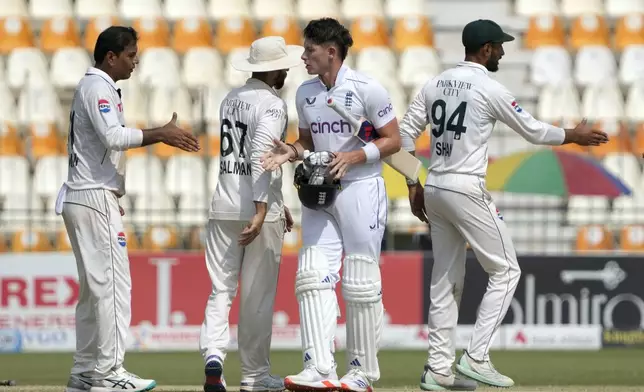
(456,216)
(354,224)
(256,267)
(103,312)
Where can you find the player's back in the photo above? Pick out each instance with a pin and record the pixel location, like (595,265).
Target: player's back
(91,163)
(240,115)
(460,119)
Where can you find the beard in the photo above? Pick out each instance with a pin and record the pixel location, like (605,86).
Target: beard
(492,64)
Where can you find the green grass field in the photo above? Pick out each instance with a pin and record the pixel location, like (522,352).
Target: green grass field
(606,370)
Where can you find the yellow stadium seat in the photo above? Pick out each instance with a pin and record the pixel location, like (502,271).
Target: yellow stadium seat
(287,28)
(629,30)
(58,33)
(10,141)
(191,33)
(589,30)
(160,237)
(369,31)
(618,141)
(196,238)
(132,239)
(30,240)
(61,243)
(153,33)
(412,31)
(234,33)
(94,27)
(593,238)
(545,30)
(631,238)
(3,244)
(15,33)
(44,140)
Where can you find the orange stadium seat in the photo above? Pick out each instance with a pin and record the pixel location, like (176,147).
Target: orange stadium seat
(638,140)
(589,30)
(592,238)
(423,143)
(3,244)
(94,27)
(137,151)
(30,240)
(212,144)
(631,238)
(292,241)
(619,138)
(369,31)
(412,31)
(15,33)
(61,242)
(191,33)
(10,141)
(44,140)
(160,237)
(285,27)
(232,33)
(545,30)
(196,238)
(153,33)
(58,33)
(292,133)
(629,30)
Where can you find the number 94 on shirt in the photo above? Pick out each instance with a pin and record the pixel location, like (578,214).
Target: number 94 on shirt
(450,121)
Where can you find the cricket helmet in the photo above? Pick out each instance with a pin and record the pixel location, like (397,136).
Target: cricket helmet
(315,187)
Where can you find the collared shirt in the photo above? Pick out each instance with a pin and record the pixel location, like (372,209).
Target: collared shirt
(462,105)
(361,96)
(252,116)
(97,135)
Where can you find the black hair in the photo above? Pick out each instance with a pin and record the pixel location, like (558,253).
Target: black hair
(114,39)
(472,50)
(329,30)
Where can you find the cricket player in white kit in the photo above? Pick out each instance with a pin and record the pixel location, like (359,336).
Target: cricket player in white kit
(248,219)
(88,202)
(462,105)
(354,223)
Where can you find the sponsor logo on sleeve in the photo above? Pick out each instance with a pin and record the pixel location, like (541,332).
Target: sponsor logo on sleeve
(120,238)
(104,106)
(385,111)
(516,107)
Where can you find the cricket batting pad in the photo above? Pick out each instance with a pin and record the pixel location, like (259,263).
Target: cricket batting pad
(362,292)
(318,309)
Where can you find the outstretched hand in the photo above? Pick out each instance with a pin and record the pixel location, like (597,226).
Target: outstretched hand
(277,156)
(585,135)
(177,137)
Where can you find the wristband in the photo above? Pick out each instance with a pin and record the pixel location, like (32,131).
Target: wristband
(412,182)
(372,152)
(295,151)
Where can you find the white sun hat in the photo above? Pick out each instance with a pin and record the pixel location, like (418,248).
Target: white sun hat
(270,54)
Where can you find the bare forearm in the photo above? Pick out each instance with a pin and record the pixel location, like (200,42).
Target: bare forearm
(153,136)
(570,136)
(260,208)
(387,146)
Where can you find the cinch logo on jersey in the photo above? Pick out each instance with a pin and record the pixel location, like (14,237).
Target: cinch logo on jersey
(120,238)
(385,111)
(516,107)
(328,127)
(104,106)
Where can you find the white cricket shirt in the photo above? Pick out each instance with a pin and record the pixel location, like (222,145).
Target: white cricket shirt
(462,105)
(97,135)
(251,117)
(361,96)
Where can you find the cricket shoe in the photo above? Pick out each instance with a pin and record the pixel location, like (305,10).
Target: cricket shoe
(79,383)
(431,381)
(214,371)
(310,380)
(482,371)
(122,380)
(269,383)
(355,381)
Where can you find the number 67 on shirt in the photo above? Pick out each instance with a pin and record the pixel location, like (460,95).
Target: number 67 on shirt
(402,161)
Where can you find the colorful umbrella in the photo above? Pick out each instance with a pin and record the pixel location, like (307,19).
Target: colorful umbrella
(553,172)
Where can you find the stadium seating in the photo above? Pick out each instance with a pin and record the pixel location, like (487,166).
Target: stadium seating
(571,59)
